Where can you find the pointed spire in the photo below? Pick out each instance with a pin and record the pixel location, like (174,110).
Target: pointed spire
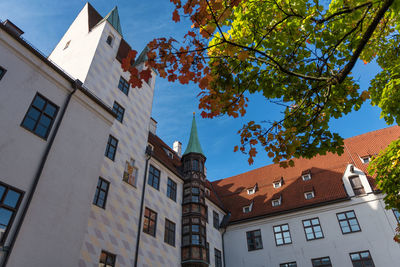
(194,144)
(113,18)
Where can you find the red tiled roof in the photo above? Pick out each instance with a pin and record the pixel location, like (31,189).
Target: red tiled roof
(326,172)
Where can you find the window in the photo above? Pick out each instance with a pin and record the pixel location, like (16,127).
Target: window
(150,222)
(362,259)
(312,229)
(348,222)
(216,220)
(207,191)
(169,234)
(67,44)
(171,189)
(397,215)
(357,186)
(309,195)
(119,110)
(247,209)
(111,147)
(208,252)
(365,159)
(2,72)
(123,85)
(306,177)
(130,172)
(10,199)
(277,201)
(110,40)
(206,213)
(154,177)
(277,184)
(254,240)
(288,264)
(218,258)
(282,234)
(100,197)
(40,116)
(251,191)
(321,262)
(107,259)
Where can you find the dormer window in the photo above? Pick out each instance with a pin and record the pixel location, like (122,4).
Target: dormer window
(366,159)
(247,209)
(309,195)
(110,40)
(169,153)
(252,190)
(277,183)
(357,185)
(306,177)
(207,191)
(277,201)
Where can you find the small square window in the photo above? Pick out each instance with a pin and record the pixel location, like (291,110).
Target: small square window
(362,258)
(150,222)
(107,259)
(251,191)
(100,197)
(2,72)
(348,222)
(282,234)
(366,159)
(309,195)
(254,240)
(123,85)
(321,262)
(154,177)
(312,229)
(119,110)
(288,264)
(306,177)
(40,116)
(111,147)
(277,184)
(171,189)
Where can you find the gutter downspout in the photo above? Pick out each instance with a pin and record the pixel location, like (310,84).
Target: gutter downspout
(7,251)
(148,157)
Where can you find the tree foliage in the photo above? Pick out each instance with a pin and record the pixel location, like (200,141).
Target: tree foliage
(297,53)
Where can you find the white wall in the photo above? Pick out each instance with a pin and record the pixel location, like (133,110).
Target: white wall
(214,236)
(376,236)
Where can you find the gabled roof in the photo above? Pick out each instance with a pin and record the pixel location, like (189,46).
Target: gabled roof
(94,18)
(326,179)
(194,143)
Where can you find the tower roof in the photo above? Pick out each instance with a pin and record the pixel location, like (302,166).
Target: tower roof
(113,18)
(194,143)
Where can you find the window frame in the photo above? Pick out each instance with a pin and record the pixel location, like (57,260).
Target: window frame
(108,254)
(14,210)
(307,193)
(111,38)
(217,258)
(251,239)
(360,190)
(149,219)
(117,110)
(281,232)
(100,189)
(169,233)
(306,177)
(172,187)
(347,220)
(122,83)
(151,181)
(107,152)
(312,228)
(361,260)
(2,72)
(314,264)
(215,220)
(42,113)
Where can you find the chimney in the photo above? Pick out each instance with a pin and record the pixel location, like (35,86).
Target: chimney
(177,146)
(153,126)
(13,28)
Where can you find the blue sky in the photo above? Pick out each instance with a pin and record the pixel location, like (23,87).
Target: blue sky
(45,21)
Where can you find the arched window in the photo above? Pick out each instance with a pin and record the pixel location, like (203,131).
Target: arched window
(110,40)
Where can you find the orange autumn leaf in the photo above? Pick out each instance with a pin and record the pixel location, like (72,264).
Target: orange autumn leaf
(175,16)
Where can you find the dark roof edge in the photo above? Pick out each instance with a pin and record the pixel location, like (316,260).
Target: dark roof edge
(289,211)
(165,165)
(58,70)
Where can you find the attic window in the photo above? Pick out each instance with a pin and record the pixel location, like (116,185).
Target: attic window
(366,159)
(309,195)
(207,191)
(276,202)
(110,40)
(169,153)
(247,209)
(306,176)
(277,183)
(67,44)
(252,190)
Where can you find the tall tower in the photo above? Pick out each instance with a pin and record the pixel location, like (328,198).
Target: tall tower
(194,237)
